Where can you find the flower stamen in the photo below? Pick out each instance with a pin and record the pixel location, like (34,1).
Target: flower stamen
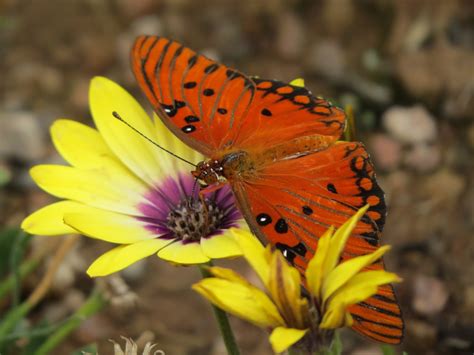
(192,219)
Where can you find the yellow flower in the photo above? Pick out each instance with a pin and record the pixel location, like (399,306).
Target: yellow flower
(122,189)
(333,286)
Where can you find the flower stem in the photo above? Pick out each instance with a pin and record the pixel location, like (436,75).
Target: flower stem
(94,304)
(223,322)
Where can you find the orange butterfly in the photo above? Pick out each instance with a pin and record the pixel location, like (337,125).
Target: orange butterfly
(277,146)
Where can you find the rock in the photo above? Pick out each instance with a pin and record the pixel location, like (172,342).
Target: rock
(422,331)
(51,80)
(135,272)
(430,295)
(290,36)
(444,187)
(423,157)
(150,25)
(328,59)
(21,136)
(386,151)
(134,8)
(410,125)
(469,300)
(470,135)
(80,94)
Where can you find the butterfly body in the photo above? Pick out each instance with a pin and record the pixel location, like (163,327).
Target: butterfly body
(278,147)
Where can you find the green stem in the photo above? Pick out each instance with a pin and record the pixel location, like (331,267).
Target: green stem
(94,304)
(25,269)
(11,319)
(223,322)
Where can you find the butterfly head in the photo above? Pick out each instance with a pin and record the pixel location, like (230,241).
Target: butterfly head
(209,172)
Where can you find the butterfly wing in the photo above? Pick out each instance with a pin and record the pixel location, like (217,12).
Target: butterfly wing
(214,108)
(292,202)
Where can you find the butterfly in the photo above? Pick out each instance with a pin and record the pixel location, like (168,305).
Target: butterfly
(278,147)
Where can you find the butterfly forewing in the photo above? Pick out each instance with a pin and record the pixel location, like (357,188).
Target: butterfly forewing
(197,98)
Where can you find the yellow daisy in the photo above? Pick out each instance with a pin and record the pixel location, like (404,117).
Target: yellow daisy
(332,286)
(122,189)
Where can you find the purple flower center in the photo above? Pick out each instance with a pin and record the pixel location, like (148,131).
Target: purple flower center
(174,210)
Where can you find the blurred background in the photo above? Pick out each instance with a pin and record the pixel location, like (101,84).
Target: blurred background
(407,69)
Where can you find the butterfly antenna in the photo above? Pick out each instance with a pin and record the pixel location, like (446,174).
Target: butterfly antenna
(117,116)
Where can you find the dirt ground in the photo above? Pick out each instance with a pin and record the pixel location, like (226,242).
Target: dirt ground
(405,66)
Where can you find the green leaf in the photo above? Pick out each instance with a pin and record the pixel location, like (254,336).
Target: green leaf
(36,336)
(5,176)
(7,241)
(336,345)
(387,350)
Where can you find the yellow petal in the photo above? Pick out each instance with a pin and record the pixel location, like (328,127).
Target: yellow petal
(142,157)
(285,290)
(108,187)
(220,246)
(183,253)
(80,145)
(298,82)
(359,288)
(242,300)
(339,239)
(122,256)
(254,253)
(282,338)
(345,271)
(314,271)
(49,220)
(335,317)
(109,226)
(227,274)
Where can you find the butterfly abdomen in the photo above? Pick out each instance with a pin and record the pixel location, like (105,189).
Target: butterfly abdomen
(294,148)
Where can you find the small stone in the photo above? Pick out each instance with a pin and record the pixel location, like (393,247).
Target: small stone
(134,8)
(80,95)
(470,135)
(327,58)
(410,124)
(430,295)
(422,331)
(291,36)
(386,151)
(151,25)
(444,187)
(423,157)
(135,272)
(469,300)
(21,136)
(51,80)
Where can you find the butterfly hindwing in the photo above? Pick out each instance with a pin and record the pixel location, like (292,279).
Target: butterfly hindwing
(291,203)
(282,112)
